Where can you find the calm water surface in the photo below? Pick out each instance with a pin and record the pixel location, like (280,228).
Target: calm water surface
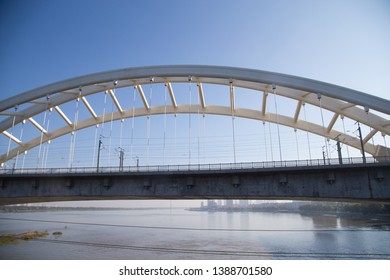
(181,234)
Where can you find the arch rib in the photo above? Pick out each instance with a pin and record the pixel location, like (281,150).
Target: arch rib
(244,76)
(339,100)
(289,86)
(185,109)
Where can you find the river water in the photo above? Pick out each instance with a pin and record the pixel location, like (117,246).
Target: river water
(181,234)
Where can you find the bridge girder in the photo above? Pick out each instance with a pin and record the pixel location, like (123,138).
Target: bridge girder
(341,101)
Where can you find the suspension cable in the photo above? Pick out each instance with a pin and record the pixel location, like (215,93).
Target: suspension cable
(24,159)
(199,127)
(204,137)
(189,121)
(20,138)
(12,129)
(296,142)
(94,145)
(101,135)
(73,134)
(165,121)
(277,121)
(366,109)
(132,124)
(319,97)
(342,119)
(307,129)
(270,140)
(111,124)
(121,134)
(175,136)
(149,121)
(48,141)
(233,118)
(104,112)
(41,137)
(265,142)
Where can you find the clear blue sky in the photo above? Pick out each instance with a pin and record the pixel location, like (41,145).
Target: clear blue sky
(341,42)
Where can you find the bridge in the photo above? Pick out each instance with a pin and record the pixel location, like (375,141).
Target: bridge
(193,132)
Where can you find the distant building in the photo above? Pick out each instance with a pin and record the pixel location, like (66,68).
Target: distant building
(211,204)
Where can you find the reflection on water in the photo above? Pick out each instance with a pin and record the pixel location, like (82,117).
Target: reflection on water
(181,234)
(326,221)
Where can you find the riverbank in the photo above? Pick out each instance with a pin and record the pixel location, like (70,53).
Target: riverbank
(15,238)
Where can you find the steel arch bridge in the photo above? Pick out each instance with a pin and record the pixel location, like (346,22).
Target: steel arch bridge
(366,109)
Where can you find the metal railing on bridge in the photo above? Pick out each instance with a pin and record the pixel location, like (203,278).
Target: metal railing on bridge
(199,167)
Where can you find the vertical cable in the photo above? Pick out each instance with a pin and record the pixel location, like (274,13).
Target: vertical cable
(110,136)
(121,134)
(104,112)
(296,141)
(132,125)
(175,136)
(199,128)
(323,125)
(48,141)
(277,121)
(101,136)
(12,130)
(94,146)
(47,152)
(233,118)
(189,121)
(121,150)
(149,121)
(204,138)
(342,119)
(307,129)
(234,139)
(24,159)
(20,138)
(111,124)
(366,109)
(270,141)
(165,122)
(41,138)
(73,134)
(265,142)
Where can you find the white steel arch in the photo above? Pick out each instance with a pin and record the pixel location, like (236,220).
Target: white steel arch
(341,101)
